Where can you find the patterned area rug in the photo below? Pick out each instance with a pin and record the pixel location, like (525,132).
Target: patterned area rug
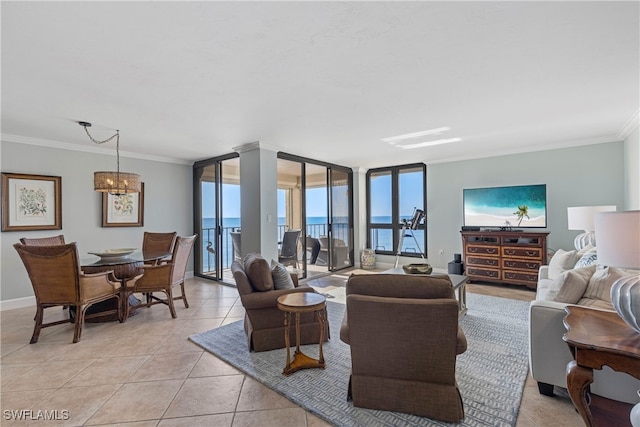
(490,374)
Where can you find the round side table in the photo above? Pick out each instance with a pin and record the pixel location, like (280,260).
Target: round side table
(296,303)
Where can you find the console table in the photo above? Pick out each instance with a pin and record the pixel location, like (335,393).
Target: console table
(598,338)
(504,256)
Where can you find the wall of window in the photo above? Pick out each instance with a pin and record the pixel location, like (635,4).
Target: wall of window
(393,195)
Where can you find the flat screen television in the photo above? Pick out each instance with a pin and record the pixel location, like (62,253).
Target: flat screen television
(521,206)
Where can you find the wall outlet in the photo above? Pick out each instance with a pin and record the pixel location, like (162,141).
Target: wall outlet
(441,251)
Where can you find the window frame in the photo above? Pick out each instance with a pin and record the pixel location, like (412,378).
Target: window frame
(396,225)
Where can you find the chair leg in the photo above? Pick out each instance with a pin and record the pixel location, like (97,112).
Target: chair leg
(77,330)
(184,295)
(120,310)
(172,307)
(38,324)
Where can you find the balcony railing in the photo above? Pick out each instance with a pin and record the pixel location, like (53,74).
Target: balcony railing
(341,231)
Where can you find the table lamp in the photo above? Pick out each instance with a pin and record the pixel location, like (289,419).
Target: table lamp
(618,236)
(581,218)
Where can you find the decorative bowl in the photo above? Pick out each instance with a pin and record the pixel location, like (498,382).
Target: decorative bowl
(417,268)
(114,253)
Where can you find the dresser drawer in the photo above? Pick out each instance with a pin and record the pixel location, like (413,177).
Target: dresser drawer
(483,272)
(479,261)
(520,264)
(520,276)
(483,250)
(522,252)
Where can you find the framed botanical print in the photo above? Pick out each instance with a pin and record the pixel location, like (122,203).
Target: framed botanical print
(31,202)
(124,210)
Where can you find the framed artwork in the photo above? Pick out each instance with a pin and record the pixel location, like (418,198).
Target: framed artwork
(125,210)
(31,202)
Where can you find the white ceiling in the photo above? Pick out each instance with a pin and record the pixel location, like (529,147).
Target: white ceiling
(325,80)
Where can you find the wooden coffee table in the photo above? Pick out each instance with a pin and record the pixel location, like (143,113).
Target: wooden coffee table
(459,285)
(296,303)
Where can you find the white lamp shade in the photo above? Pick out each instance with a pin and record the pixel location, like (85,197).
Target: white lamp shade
(582,217)
(618,237)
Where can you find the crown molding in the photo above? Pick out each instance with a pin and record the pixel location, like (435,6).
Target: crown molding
(629,126)
(88,149)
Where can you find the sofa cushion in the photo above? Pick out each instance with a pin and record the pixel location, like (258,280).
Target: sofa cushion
(569,287)
(562,261)
(259,273)
(599,286)
(281,276)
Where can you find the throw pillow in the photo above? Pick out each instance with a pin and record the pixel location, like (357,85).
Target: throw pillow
(562,261)
(257,270)
(599,286)
(590,258)
(281,277)
(586,249)
(570,285)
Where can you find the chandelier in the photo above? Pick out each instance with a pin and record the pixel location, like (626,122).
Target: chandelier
(116,183)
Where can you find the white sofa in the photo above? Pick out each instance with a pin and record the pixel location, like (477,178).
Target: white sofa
(549,354)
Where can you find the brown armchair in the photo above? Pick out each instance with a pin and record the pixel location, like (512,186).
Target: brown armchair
(164,277)
(404,337)
(56,278)
(263,321)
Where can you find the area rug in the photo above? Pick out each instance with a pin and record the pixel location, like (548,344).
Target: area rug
(490,374)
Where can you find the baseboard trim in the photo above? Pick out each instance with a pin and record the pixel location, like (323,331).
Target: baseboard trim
(17,303)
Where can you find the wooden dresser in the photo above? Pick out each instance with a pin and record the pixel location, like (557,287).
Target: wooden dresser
(504,256)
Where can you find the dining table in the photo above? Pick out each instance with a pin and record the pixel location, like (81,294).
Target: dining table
(124,268)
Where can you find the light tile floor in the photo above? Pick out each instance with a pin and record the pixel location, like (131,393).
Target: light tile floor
(145,372)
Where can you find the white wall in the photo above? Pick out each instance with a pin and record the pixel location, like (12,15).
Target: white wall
(579,176)
(632,170)
(168,204)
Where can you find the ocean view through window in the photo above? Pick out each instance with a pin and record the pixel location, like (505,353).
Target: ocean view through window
(393,194)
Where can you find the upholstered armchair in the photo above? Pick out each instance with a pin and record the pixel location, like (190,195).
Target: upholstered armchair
(263,321)
(404,337)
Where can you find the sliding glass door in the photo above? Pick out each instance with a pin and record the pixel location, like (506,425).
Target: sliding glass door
(216,215)
(315,197)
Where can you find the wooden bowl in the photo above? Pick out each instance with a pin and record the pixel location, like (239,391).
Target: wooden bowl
(417,268)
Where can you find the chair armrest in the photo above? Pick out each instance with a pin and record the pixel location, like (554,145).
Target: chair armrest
(543,272)
(548,353)
(268,299)
(98,284)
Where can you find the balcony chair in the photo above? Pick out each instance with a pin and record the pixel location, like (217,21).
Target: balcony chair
(404,337)
(163,277)
(235,241)
(289,252)
(56,278)
(340,252)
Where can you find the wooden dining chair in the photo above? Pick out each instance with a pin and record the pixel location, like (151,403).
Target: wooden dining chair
(43,241)
(158,242)
(56,278)
(164,277)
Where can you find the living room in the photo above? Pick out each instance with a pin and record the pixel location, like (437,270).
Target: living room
(595,165)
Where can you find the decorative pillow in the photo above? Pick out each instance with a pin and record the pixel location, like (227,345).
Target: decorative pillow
(257,270)
(599,286)
(586,250)
(281,277)
(561,262)
(590,258)
(569,287)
